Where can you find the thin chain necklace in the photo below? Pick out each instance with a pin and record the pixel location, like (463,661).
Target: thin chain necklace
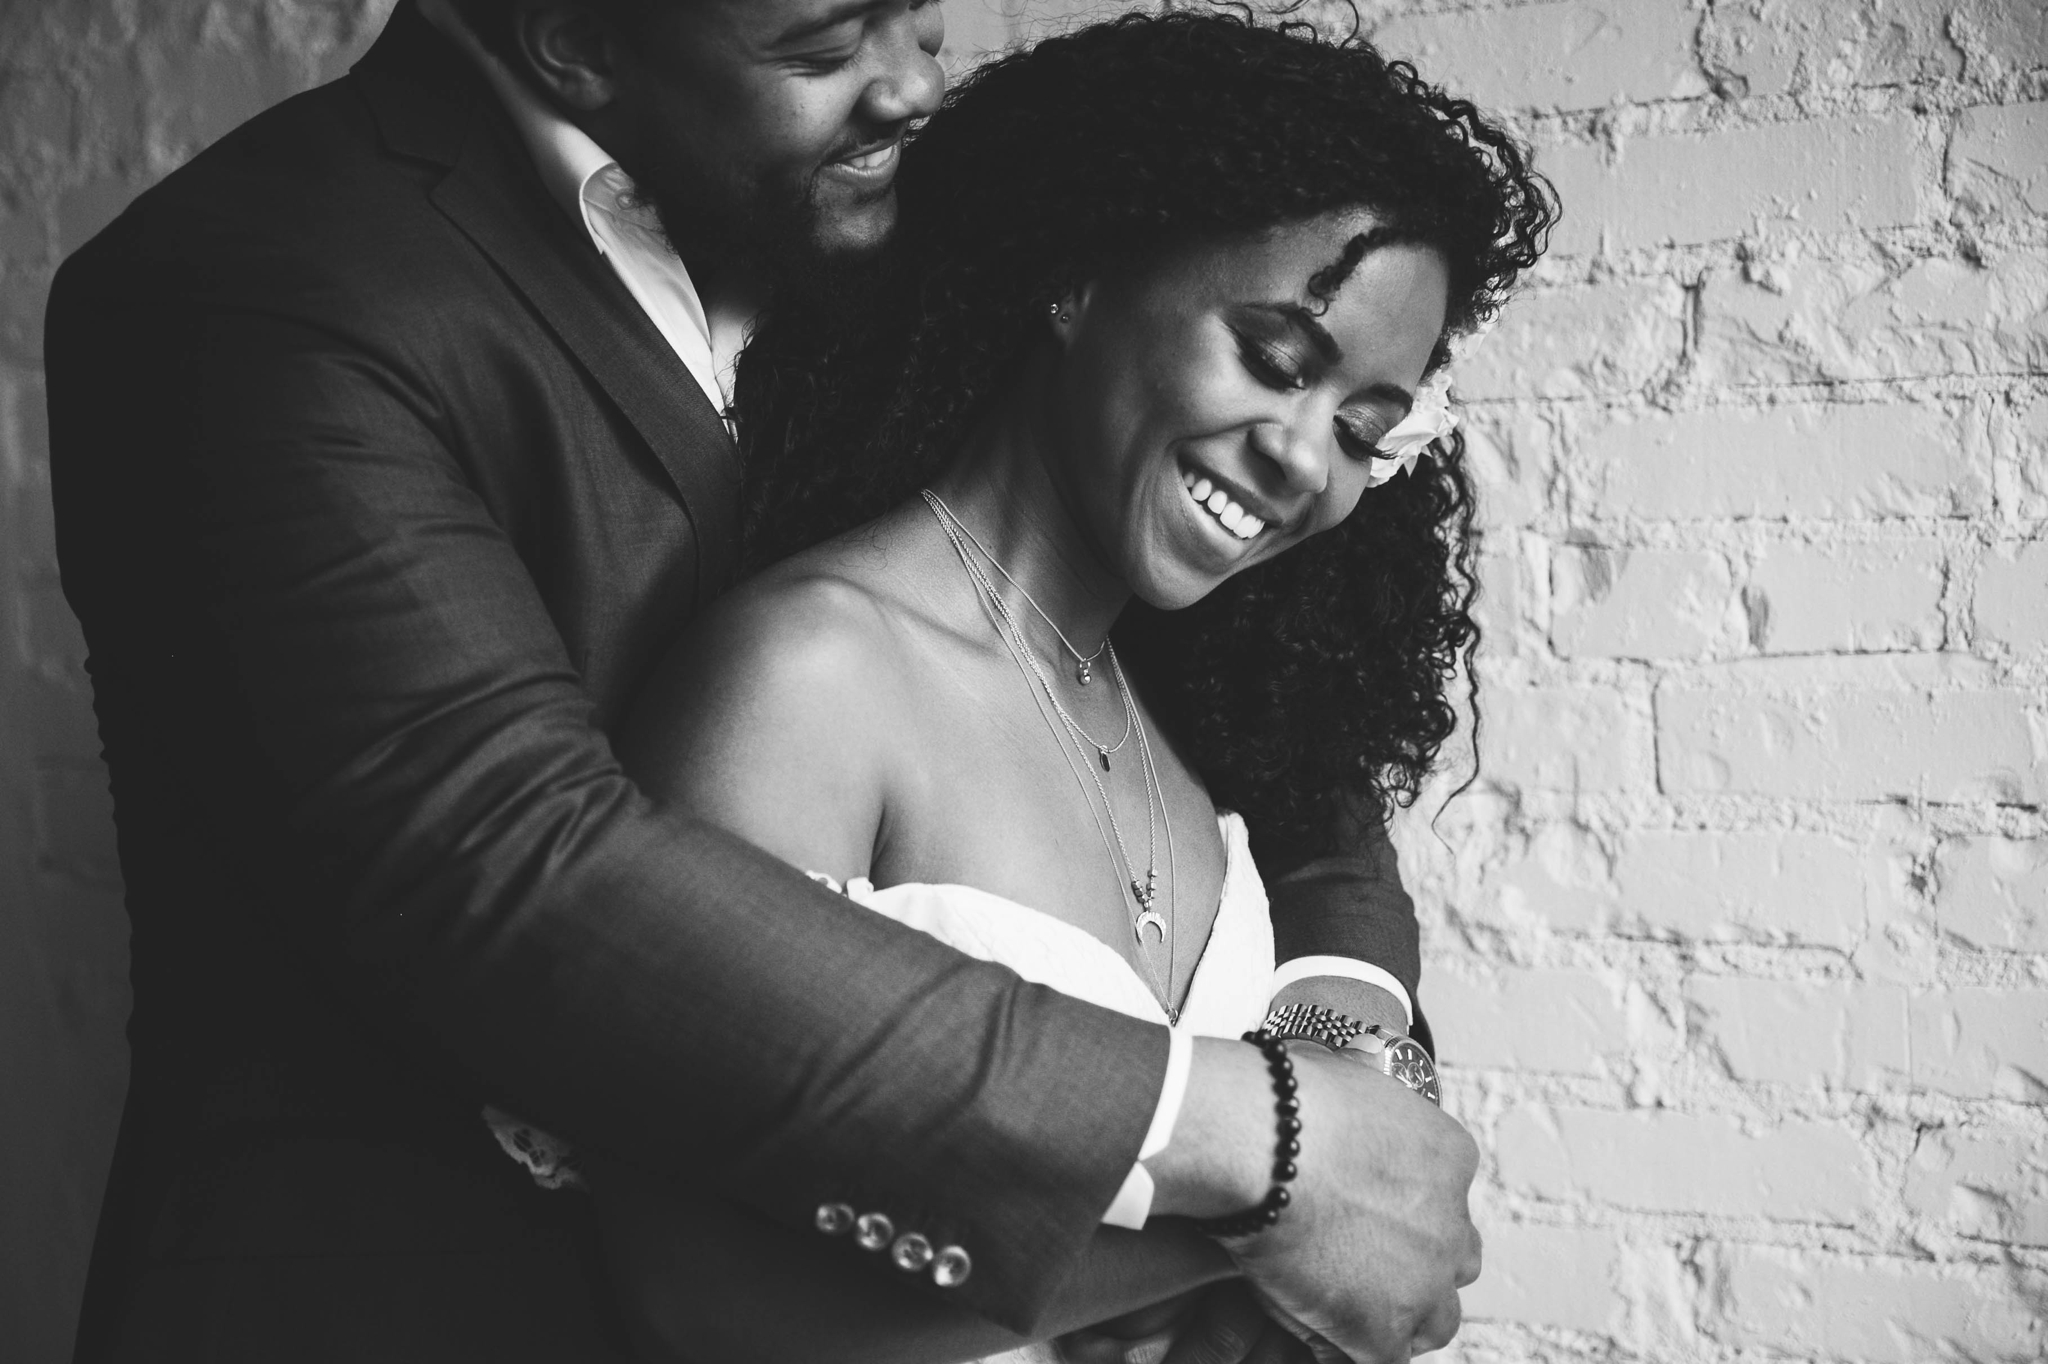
(955,528)
(1084,665)
(1144,893)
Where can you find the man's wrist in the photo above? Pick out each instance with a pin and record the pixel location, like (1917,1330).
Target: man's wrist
(1353,998)
(1221,1158)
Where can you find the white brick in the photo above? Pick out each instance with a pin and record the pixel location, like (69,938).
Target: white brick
(2004,38)
(1814,1305)
(1993,892)
(1574,55)
(1547,1276)
(1579,342)
(1564,739)
(1772,49)
(1786,887)
(1866,319)
(1839,1034)
(1564,881)
(1977,1042)
(1867,598)
(1528,1020)
(1848,462)
(1504,607)
(1873,733)
(1831,175)
(1987,1182)
(1998,159)
(2011,604)
(1636,603)
(1659,1161)
(1512,459)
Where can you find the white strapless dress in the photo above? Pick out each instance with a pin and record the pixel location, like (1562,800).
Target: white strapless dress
(1228,994)
(1233,978)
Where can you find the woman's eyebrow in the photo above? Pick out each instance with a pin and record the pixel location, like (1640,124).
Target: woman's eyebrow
(1391,393)
(1304,321)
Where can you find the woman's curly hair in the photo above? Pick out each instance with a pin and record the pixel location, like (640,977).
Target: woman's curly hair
(1322,672)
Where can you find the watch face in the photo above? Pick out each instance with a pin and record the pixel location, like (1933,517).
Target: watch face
(1407,1062)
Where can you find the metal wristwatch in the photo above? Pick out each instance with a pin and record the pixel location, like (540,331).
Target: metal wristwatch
(1397,1055)
(1404,1058)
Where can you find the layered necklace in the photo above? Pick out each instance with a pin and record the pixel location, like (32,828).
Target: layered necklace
(1144,890)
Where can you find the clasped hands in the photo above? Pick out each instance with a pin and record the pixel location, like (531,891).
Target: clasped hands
(1365,1266)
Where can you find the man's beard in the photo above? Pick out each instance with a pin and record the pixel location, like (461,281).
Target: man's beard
(766,232)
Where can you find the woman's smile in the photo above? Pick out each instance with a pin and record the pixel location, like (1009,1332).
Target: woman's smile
(1215,410)
(1222,504)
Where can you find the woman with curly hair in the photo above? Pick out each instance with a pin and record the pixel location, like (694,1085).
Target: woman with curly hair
(1093,541)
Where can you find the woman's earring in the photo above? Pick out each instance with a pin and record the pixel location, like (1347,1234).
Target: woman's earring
(1058,311)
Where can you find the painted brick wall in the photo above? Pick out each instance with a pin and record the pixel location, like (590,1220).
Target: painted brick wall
(1738,948)
(1739,945)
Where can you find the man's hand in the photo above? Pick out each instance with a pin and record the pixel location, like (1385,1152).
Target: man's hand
(1366,1263)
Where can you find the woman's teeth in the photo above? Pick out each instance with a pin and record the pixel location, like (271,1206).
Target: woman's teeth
(1217,503)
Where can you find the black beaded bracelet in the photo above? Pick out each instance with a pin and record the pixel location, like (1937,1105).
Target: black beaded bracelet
(1287,1107)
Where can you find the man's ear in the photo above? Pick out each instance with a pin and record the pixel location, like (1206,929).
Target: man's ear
(570,50)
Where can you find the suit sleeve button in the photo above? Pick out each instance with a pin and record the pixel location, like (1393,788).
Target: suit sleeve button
(834,1219)
(874,1230)
(951,1266)
(911,1252)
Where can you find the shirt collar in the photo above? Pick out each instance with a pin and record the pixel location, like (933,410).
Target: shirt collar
(567,158)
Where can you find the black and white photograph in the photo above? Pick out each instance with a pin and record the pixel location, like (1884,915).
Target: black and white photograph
(1023,681)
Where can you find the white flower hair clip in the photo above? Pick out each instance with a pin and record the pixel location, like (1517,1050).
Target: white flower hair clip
(1428,421)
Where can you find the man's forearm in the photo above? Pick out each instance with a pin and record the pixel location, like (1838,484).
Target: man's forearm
(699,1278)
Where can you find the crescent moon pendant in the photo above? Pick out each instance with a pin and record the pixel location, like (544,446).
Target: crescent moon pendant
(1150,919)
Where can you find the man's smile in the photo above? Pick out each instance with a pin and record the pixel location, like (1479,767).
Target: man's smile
(872,165)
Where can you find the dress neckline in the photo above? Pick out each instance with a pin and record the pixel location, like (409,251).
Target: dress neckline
(1236,866)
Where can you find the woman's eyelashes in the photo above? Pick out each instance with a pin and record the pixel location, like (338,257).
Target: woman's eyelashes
(1271,363)
(1360,433)
(1282,368)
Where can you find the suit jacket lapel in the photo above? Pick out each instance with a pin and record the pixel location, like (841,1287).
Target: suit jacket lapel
(493,196)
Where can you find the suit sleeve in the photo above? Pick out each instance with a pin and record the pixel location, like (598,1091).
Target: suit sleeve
(1351,903)
(461,855)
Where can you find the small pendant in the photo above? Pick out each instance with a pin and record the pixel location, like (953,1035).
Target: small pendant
(1084,669)
(1104,754)
(1151,920)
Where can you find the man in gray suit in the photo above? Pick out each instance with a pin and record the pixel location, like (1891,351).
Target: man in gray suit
(388,457)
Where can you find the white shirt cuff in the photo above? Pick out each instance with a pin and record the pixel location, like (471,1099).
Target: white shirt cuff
(1350,968)
(1133,1202)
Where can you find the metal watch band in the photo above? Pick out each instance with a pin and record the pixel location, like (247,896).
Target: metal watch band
(1314,1023)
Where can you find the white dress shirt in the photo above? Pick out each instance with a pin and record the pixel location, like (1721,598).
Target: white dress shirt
(596,192)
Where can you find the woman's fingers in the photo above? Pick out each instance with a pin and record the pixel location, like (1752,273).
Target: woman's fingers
(1228,1327)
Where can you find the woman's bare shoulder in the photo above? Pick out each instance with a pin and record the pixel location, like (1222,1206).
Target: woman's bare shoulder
(772,713)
